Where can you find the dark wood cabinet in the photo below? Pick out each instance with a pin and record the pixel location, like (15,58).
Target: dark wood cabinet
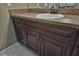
(20,32)
(46,39)
(34,40)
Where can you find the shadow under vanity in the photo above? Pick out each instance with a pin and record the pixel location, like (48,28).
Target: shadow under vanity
(47,38)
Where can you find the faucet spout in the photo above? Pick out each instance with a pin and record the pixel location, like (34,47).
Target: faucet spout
(53,10)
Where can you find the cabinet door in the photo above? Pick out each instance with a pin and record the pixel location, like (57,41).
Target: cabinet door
(20,36)
(34,40)
(19,30)
(51,47)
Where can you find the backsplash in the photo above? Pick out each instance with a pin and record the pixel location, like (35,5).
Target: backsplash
(31,10)
(69,11)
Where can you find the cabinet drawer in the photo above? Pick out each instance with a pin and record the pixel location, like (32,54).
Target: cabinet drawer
(33,31)
(58,30)
(30,22)
(58,38)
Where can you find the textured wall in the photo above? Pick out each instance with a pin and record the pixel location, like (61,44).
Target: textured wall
(28,5)
(4,27)
(34,5)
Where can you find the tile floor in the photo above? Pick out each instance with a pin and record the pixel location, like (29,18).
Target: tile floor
(17,50)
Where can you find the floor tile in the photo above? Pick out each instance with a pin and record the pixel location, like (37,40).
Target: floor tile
(17,50)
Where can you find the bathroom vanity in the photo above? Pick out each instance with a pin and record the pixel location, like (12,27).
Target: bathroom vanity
(48,38)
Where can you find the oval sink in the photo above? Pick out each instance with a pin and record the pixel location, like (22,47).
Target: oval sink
(49,16)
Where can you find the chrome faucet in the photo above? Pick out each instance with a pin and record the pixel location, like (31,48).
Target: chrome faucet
(53,10)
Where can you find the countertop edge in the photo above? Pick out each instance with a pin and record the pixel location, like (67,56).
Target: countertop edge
(75,26)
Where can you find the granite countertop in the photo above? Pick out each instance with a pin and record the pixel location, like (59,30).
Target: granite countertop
(71,21)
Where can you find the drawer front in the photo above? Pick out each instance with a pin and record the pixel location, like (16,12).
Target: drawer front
(57,38)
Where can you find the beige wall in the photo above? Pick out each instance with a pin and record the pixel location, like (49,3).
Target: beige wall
(26,5)
(11,37)
(18,5)
(23,5)
(4,26)
(32,5)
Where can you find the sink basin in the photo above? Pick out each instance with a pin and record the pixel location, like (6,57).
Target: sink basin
(49,16)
